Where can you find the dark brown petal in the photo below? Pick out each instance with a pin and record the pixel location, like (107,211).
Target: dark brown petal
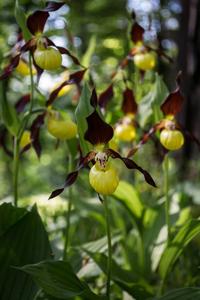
(106,96)
(88,158)
(137,32)
(35,132)
(130,164)
(67,52)
(38,69)
(26,148)
(21,103)
(160,53)
(74,78)
(3,143)
(98,132)
(37,21)
(129,104)
(71,177)
(146,137)
(94,99)
(10,67)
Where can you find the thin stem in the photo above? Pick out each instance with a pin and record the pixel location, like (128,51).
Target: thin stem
(109,263)
(17,138)
(167,200)
(69,209)
(27,116)
(15,170)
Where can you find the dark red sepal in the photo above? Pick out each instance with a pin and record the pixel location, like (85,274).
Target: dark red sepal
(74,78)
(71,178)
(173,103)
(3,143)
(10,67)
(67,52)
(106,96)
(130,164)
(94,99)
(98,132)
(22,102)
(137,32)
(35,132)
(26,148)
(129,104)
(37,21)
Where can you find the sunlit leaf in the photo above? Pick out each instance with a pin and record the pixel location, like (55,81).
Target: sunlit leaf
(149,107)
(188,293)
(184,236)
(58,280)
(128,195)
(83,110)
(138,288)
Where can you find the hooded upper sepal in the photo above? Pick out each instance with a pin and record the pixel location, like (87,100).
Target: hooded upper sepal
(98,132)
(174,101)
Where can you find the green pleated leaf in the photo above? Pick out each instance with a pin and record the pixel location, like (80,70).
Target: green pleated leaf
(9,215)
(58,280)
(21,20)
(189,293)
(23,240)
(127,194)
(126,280)
(7,112)
(83,110)
(149,108)
(187,232)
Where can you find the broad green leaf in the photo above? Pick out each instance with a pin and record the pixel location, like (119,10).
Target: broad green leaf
(23,241)
(58,280)
(7,112)
(9,215)
(136,287)
(21,20)
(188,293)
(150,105)
(101,244)
(127,194)
(187,232)
(83,110)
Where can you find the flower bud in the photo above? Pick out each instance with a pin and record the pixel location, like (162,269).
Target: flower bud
(61,129)
(145,61)
(171,139)
(23,68)
(125,132)
(103,180)
(25,139)
(47,58)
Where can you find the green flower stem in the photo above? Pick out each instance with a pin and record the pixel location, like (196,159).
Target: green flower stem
(69,209)
(109,263)
(167,200)
(17,138)
(15,170)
